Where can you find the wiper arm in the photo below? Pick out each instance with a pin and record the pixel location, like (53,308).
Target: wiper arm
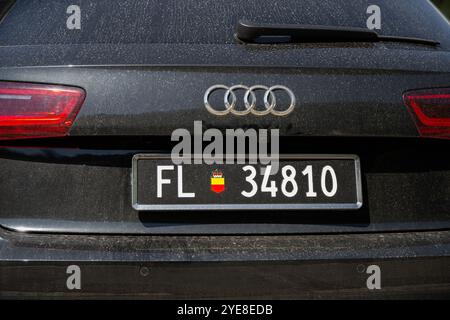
(291,33)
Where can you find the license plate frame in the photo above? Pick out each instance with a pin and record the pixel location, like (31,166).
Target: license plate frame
(251,207)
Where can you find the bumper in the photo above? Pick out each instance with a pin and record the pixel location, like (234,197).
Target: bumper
(412,265)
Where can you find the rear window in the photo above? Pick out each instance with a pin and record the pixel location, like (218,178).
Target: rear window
(203,21)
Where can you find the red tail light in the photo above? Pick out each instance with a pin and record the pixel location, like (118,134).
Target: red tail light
(37,110)
(431,110)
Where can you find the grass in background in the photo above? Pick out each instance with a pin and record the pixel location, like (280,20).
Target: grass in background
(444,6)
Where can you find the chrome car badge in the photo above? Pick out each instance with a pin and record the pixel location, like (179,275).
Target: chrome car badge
(230,100)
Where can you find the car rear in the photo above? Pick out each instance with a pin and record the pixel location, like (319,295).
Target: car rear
(77,105)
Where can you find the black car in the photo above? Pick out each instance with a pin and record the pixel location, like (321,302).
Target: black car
(355,93)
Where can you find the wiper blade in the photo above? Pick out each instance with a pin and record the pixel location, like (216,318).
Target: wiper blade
(291,33)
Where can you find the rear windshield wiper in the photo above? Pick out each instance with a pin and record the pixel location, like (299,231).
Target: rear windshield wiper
(291,33)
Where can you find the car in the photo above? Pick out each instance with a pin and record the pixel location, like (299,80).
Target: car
(217,149)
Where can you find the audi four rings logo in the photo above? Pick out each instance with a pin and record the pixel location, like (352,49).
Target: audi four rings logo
(230,100)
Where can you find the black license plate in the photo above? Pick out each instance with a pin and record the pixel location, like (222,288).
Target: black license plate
(302,182)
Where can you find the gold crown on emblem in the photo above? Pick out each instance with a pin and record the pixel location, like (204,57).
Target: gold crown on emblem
(217,174)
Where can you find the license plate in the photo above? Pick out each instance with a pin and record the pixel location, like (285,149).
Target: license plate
(302,182)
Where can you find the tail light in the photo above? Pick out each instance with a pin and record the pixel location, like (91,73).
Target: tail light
(431,111)
(30,110)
